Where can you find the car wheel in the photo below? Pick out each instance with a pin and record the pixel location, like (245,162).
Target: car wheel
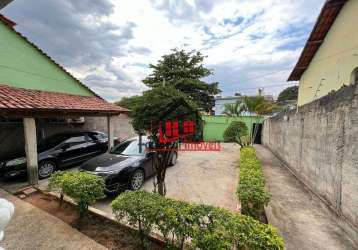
(174,159)
(137,179)
(46,168)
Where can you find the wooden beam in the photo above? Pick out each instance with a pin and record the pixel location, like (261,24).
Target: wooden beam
(31,150)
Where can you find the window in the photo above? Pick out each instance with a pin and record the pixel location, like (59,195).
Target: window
(76,139)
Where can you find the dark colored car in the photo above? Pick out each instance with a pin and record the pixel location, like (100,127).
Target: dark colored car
(125,166)
(59,151)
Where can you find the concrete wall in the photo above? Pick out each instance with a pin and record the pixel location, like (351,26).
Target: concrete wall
(336,59)
(319,144)
(12,135)
(215,125)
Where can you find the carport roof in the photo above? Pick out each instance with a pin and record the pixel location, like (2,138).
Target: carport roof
(27,102)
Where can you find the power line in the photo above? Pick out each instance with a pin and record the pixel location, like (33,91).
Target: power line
(268,86)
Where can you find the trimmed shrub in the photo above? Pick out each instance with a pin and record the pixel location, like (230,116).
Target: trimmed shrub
(206,227)
(85,189)
(56,182)
(251,190)
(235,131)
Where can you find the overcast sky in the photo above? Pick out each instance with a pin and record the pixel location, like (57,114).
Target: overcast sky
(108,44)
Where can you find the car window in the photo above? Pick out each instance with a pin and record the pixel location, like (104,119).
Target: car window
(52,141)
(76,139)
(129,148)
(98,136)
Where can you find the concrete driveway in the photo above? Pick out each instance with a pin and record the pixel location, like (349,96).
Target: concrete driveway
(200,177)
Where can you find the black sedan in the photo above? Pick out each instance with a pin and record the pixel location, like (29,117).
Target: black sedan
(127,165)
(59,151)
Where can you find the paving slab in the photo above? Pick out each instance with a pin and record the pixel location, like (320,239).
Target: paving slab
(303,220)
(32,228)
(200,177)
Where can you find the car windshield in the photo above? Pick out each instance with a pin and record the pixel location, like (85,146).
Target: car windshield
(129,148)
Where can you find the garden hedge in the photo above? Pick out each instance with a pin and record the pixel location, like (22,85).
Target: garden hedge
(197,226)
(251,190)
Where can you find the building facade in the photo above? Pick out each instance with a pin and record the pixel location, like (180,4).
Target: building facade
(330,57)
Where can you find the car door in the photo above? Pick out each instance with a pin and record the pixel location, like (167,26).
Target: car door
(95,145)
(73,150)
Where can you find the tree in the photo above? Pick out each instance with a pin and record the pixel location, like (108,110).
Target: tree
(234,109)
(156,106)
(235,132)
(288,94)
(184,71)
(129,102)
(259,106)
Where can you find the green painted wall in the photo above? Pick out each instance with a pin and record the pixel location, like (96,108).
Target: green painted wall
(23,66)
(214,126)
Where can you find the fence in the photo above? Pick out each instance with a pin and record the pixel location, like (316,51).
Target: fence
(214,126)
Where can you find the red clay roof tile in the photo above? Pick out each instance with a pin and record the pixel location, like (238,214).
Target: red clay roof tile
(20,99)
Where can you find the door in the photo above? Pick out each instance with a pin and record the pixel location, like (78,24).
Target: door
(73,150)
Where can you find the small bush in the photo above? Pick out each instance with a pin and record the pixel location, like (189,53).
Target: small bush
(85,189)
(56,182)
(205,226)
(235,131)
(251,190)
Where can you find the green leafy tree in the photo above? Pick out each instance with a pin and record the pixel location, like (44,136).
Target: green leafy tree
(185,72)
(234,109)
(158,105)
(129,102)
(288,94)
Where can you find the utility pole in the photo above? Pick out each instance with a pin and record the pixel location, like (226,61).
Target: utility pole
(163,82)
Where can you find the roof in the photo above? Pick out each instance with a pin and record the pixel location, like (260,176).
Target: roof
(325,20)
(10,24)
(22,102)
(7,21)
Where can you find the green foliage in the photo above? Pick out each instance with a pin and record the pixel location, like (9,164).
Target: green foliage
(259,105)
(234,109)
(130,102)
(207,227)
(288,94)
(159,104)
(252,191)
(57,180)
(235,131)
(85,189)
(184,71)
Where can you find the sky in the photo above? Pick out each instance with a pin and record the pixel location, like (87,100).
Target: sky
(108,44)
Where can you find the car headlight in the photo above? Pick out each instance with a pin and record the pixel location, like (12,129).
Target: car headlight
(16,161)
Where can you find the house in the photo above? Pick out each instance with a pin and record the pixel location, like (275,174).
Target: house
(38,98)
(329,59)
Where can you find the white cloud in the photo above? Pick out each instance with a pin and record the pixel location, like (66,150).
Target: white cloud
(248,43)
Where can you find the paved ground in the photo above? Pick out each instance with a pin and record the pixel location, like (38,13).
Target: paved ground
(201,177)
(302,219)
(31,228)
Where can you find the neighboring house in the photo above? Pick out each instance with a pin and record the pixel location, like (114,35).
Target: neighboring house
(38,97)
(221,101)
(329,59)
